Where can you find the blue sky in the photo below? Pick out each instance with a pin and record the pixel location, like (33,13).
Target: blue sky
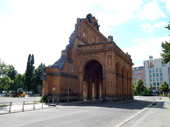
(43,28)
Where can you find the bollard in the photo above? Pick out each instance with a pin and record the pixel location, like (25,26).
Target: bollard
(42,103)
(10,104)
(33,105)
(23,106)
(48,102)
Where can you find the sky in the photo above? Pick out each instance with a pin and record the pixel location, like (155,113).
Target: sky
(43,27)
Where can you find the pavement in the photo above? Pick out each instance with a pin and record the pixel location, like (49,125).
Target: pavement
(151,116)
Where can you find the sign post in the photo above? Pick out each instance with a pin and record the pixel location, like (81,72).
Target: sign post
(53,92)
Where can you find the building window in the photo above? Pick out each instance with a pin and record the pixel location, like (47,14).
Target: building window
(153,79)
(157,74)
(150,70)
(150,75)
(85,34)
(150,79)
(157,88)
(144,75)
(157,79)
(160,69)
(144,71)
(93,40)
(156,69)
(161,82)
(154,83)
(161,74)
(153,74)
(158,83)
(150,83)
(161,78)
(163,64)
(153,70)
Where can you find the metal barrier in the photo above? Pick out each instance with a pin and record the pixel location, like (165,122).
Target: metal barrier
(6,104)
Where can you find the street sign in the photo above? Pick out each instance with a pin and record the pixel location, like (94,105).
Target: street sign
(54,85)
(53,88)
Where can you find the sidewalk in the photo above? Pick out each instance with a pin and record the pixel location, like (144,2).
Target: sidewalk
(19,108)
(153,116)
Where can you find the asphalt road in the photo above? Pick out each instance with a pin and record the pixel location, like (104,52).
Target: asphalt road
(19,101)
(84,114)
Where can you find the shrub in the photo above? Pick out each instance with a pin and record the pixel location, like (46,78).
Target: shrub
(169,95)
(44,98)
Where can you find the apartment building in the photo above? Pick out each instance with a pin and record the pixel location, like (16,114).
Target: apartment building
(155,72)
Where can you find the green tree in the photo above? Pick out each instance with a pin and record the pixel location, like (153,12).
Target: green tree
(29,72)
(12,75)
(36,81)
(164,87)
(166,50)
(150,90)
(5,80)
(145,90)
(138,87)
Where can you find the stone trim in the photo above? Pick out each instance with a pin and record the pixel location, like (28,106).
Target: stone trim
(62,74)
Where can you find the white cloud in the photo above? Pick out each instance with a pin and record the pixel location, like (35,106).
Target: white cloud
(168,5)
(151,11)
(139,40)
(141,51)
(148,28)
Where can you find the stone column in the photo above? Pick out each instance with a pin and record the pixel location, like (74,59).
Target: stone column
(81,85)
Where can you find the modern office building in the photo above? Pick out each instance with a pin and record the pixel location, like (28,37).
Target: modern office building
(155,72)
(138,72)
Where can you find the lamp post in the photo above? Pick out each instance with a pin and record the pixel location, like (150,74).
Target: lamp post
(69,80)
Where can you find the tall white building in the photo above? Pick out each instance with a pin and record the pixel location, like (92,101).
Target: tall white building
(156,72)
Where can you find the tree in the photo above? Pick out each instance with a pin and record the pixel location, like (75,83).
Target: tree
(29,72)
(150,90)
(138,87)
(36,81)
(12,75)
(166,50)
(5,80)
(164,87)
(145,91)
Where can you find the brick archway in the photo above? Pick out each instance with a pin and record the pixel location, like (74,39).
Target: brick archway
(91,78)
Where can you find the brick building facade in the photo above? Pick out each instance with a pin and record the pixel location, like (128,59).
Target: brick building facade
(91,67)
(138,72)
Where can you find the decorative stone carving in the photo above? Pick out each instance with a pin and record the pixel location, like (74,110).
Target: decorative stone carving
(110,38)
(128,55)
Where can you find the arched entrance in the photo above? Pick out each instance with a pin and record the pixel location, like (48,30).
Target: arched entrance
(93,80)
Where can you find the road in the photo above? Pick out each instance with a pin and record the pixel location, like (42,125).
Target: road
(84,114)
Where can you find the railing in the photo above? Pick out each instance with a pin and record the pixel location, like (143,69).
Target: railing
(6,107)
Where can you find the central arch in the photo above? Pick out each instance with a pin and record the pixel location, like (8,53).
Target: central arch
(92,80)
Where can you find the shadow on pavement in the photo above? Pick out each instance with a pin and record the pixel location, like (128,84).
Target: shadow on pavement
(128,104)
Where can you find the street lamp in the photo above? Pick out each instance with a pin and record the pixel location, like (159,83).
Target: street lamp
(69,80)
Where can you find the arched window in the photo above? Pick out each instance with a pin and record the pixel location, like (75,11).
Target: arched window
(85,34)
(93,40)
